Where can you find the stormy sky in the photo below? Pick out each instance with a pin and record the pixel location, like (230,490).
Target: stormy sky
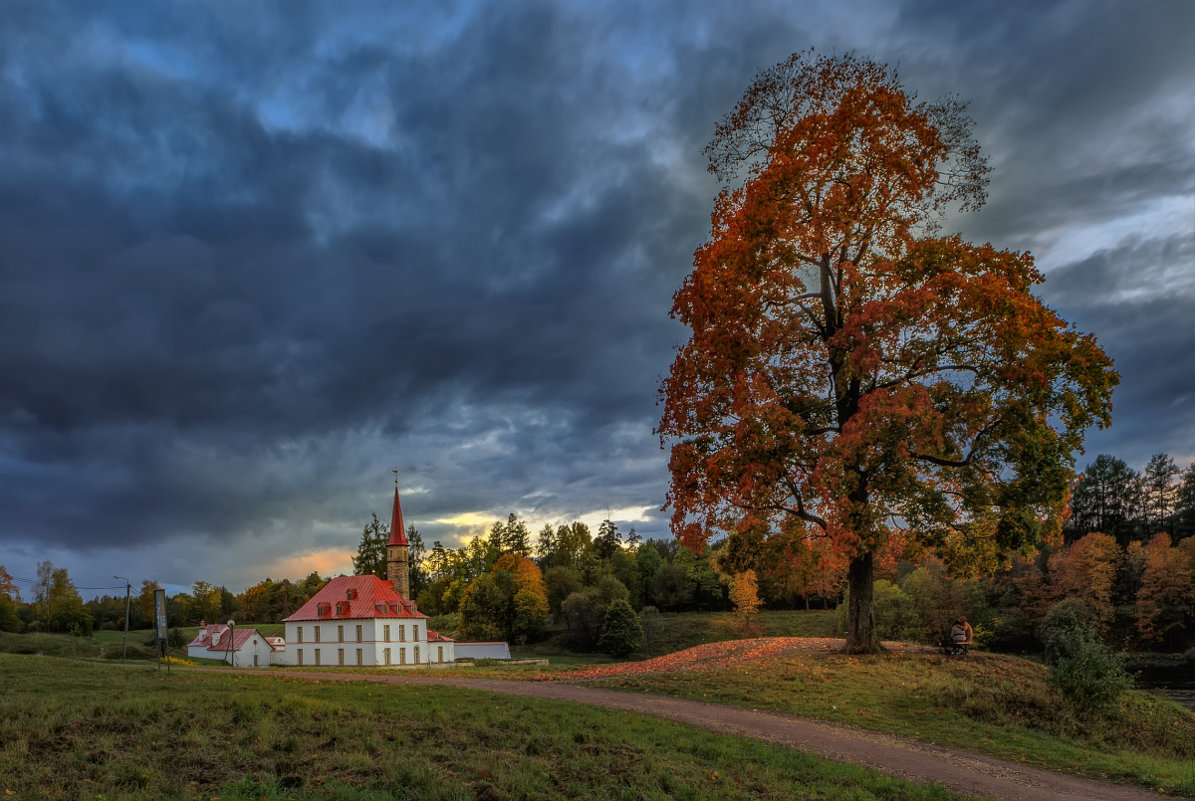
(253,256)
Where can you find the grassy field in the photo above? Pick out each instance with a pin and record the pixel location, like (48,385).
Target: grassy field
(78,729)
(995,704)
(1000,705)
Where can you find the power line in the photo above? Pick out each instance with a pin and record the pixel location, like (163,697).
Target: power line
(77,587)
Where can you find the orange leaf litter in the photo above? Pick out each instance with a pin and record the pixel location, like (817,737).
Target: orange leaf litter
(716,655)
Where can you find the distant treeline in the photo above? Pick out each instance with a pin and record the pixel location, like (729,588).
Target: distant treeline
(1112,498)
(1137,578)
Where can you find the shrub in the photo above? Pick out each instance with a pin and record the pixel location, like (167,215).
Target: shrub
(1062,622)
(622,633)
(1087,674)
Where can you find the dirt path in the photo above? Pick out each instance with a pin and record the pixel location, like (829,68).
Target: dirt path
(960,771)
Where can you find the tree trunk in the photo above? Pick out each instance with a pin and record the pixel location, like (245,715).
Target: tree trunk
(861,637)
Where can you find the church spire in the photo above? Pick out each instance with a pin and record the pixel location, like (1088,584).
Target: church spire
(397,568)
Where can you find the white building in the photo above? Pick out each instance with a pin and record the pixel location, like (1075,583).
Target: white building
(363,620)
(244,647)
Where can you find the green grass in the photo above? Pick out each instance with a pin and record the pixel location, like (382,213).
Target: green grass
(77,729)
(63,645)
(994,704)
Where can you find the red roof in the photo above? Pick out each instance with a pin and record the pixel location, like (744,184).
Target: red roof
(398,534)
(346,597)
(205,640)
(435,636)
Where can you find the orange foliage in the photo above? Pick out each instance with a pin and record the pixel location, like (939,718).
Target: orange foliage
(1167,591)
(8,587)
(1086,570)
(744,594)
(846,369)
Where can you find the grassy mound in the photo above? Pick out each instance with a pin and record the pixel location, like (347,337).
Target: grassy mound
(997,704)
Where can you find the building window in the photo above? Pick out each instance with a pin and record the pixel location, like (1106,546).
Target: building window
(255,660)
(416,654)
(358,656)
(300,634)
(317,633)
(415,629)
(402,633)
(340,656)
(317,656)
(300,657)
(386,655)
(402,656)
(386,629)
(358,632)
(439,653)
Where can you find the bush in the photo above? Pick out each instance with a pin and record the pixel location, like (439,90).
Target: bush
(1087,674)
(1063,621)
(621,633)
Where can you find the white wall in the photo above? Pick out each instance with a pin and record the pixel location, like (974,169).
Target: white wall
(482,650)
(405,637)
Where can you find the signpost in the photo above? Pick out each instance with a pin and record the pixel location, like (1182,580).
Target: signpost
(160,626)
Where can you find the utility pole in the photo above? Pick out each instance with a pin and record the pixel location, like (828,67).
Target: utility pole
(124,651)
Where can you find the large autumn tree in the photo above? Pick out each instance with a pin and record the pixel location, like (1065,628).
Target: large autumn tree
(850,368)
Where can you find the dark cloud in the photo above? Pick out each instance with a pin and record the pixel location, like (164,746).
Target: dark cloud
(253,258)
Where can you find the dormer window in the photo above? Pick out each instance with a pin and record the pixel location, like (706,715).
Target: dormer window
(342,608)
(352,594)
(325,610)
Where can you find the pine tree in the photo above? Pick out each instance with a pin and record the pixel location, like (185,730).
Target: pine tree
(1161,493)
(608,540)
(371,553)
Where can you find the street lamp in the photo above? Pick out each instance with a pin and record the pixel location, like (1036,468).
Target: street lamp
(232,641)
(124,650)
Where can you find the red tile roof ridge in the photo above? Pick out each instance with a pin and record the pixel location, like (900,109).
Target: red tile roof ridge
(367,591)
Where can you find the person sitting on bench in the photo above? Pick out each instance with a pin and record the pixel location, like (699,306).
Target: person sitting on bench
(961,633)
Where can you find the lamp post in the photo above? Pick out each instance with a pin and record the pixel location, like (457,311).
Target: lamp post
(232,642)
(124,649)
